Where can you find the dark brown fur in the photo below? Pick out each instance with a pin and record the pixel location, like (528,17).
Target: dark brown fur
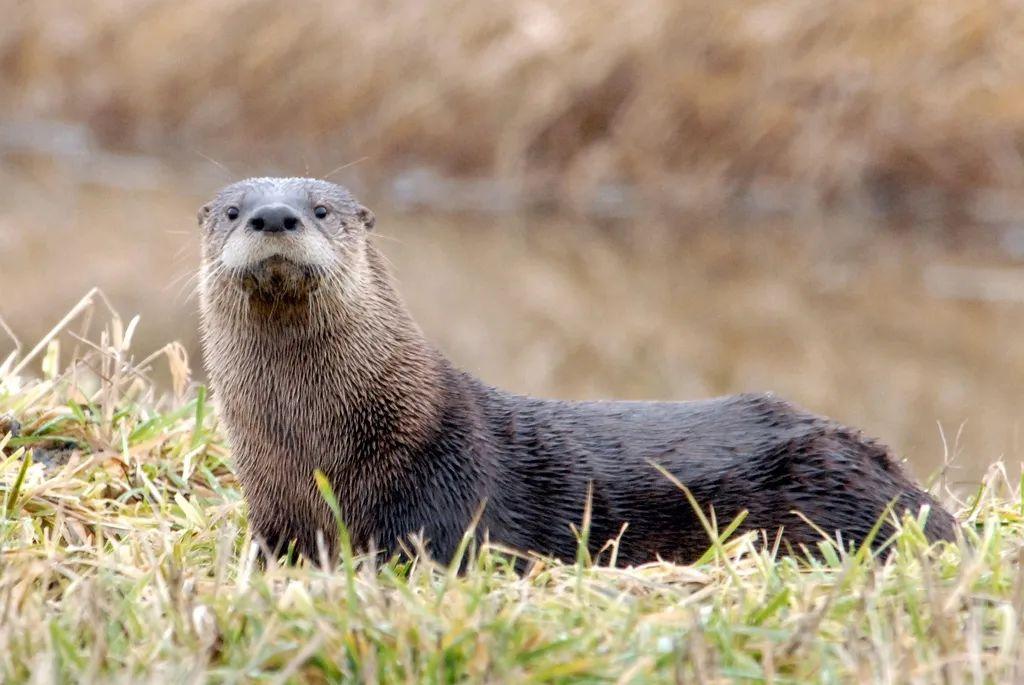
(321,367)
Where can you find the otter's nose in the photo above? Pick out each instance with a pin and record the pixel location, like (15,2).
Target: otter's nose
(274,219)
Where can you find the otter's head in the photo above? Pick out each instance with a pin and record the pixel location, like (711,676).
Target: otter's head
(277,240)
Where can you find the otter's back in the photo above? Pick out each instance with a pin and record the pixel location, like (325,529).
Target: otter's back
(752,453)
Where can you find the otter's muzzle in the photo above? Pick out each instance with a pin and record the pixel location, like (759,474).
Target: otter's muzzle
(275,218)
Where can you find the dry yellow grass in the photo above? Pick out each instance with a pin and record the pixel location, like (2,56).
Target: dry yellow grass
(911,105)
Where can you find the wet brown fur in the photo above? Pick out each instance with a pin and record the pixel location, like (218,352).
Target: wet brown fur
(323,368)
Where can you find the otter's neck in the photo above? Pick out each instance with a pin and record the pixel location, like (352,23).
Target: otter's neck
(334,381)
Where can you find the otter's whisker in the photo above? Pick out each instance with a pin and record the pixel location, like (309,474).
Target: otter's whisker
(344,166)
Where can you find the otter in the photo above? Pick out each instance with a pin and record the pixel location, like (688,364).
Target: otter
(316,365)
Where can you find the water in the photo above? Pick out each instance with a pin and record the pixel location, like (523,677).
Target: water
(893,333)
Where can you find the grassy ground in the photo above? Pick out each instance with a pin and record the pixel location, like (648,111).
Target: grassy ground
(124,556)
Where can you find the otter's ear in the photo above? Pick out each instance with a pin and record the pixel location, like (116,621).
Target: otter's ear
(204,212)
(366,216)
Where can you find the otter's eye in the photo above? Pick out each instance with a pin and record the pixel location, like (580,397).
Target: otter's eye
(232,213)
(319,211)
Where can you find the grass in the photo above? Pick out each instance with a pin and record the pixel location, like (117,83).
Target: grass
(125,557)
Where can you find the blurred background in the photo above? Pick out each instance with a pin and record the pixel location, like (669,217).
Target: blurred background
(665,199)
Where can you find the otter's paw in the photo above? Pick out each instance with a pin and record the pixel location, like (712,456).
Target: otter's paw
(8,424)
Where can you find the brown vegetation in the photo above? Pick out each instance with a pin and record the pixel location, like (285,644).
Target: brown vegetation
(912,106)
